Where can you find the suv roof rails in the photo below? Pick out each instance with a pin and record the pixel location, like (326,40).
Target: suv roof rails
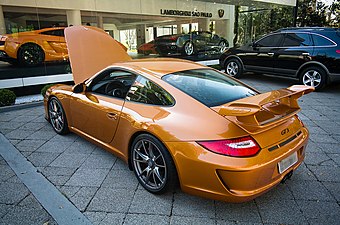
(308,28)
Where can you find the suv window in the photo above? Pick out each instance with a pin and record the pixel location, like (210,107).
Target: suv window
(208,86)
(146,91)
(59,33)
(321,41)
(297,40)
(272,40)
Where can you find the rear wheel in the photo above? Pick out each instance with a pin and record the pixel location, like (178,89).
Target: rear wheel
(233,68)
(152,164)
(30,55)
(314,77)
(188,48)
(223,46)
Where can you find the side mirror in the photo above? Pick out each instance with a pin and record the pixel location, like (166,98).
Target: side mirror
(79,88)
(254,45)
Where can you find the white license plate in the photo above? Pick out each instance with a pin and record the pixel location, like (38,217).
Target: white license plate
(286,163)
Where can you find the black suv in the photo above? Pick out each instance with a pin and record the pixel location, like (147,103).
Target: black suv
(311,54)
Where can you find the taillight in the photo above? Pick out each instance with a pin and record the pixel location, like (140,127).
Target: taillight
(337,51)
(238,147)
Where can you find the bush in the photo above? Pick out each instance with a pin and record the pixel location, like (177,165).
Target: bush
(44,89)
(7,97)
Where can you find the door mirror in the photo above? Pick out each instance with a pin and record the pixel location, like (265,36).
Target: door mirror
(79,88)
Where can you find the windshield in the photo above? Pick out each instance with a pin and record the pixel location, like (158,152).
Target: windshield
(208,86)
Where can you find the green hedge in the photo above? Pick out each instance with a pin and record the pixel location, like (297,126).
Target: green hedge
(44,89)
(7,97)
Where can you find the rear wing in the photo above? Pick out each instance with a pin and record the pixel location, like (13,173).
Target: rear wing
(262,111)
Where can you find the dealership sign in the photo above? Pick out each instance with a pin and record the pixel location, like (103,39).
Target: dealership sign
(173,12)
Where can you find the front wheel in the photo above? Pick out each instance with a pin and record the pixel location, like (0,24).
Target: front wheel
(233,68)
(57,116)
(30,55)
(152,164)
(314,77)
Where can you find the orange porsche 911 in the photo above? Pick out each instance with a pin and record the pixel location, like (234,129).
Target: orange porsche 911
(178,122)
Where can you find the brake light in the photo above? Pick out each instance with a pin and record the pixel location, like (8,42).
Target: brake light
(337,51)
(239,147)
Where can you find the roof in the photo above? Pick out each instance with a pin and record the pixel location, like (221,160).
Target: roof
(314,29)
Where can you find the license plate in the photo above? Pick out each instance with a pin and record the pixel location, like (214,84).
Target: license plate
(286,163)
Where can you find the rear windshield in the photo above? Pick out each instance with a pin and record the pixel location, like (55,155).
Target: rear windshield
(208,86)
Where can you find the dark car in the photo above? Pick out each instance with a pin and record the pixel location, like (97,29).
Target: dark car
(310,54)
(190,44)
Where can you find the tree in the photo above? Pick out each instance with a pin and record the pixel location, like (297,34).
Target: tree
(335,13)
(312,13)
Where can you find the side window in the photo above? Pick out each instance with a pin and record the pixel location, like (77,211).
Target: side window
(321,41)
(113,83)
(273,40)
(59,33)
(146,91)
(297,40)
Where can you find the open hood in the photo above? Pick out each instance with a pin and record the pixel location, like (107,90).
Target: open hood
(90,50)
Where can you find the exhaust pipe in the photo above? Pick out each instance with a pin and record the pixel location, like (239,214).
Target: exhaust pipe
(287,177)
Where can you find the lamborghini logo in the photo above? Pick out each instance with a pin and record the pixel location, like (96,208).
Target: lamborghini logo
(220,13)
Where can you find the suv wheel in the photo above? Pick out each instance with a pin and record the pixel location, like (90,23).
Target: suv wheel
(314,77)
(233,68)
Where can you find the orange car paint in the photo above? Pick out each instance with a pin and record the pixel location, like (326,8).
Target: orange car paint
(201,172)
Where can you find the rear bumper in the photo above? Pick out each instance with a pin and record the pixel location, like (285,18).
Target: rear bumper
(231,179)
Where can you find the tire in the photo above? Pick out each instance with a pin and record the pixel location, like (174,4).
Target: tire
(223,46)
(313,76)
(57,117)
(30,55)
(188,48)
(233,68)
(155,169)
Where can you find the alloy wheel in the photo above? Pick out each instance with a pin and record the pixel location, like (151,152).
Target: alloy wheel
(312,78)
(189,48)
(232,68)
(222,46)
(56,115)
(149,164)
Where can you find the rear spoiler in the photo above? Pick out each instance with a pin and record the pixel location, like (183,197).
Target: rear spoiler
(261,111)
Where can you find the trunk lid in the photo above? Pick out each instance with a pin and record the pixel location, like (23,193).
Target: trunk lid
(268,117)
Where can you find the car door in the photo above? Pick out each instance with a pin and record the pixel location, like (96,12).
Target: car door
(260,55)
(297,48)
(56,40)
(96,111)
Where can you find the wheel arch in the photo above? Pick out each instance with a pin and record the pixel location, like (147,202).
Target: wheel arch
(135,135)
(233,57)
(311,64)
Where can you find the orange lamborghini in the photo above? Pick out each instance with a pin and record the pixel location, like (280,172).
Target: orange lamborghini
(174,121)
(32,48)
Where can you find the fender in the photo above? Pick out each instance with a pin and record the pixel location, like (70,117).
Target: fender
(311,63)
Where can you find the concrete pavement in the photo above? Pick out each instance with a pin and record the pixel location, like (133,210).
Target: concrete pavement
(103,189)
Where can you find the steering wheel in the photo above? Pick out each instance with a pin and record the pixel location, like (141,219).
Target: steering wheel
(115,88)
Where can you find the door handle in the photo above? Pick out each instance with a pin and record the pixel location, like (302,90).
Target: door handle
(270,53)
(305,54)
(112,116)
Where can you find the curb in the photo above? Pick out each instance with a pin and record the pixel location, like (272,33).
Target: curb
(21,106)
